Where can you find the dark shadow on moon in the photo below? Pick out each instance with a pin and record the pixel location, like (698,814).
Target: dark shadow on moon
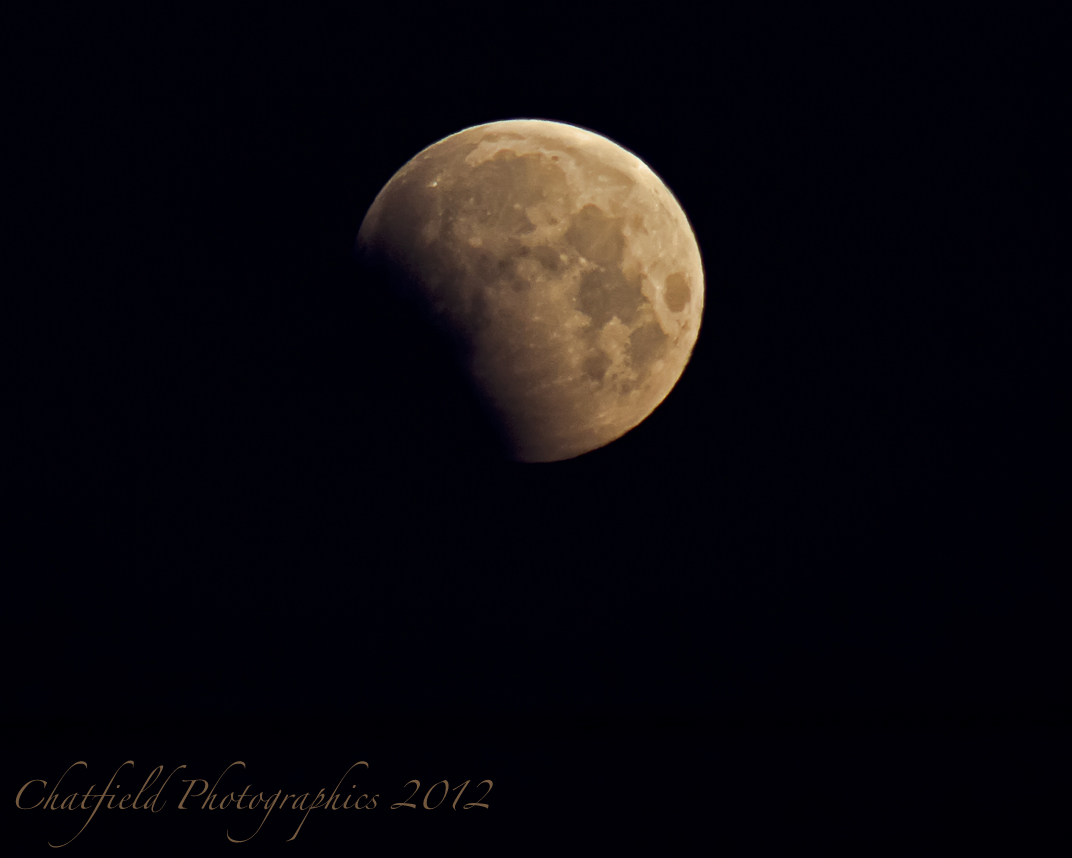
(424,411)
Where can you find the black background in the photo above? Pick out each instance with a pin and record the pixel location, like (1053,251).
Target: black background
(254,522)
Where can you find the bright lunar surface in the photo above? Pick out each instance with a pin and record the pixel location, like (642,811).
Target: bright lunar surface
(560,268)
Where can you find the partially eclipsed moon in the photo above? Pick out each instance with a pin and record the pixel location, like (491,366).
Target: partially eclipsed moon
(563,271)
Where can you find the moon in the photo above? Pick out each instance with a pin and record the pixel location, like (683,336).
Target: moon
(559,268)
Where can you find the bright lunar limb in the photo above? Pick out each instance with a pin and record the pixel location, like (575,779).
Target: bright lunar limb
(559,266)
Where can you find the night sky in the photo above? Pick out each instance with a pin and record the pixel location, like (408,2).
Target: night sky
(253,517)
